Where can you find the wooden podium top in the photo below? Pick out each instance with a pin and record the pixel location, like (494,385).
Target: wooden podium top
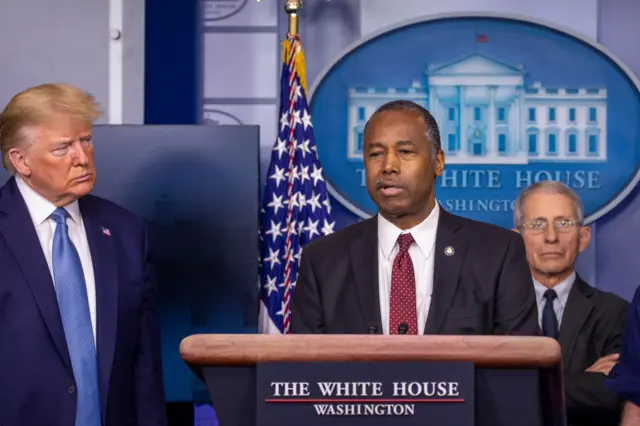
(484,351)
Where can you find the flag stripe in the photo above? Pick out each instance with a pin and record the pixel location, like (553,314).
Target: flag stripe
(287,271)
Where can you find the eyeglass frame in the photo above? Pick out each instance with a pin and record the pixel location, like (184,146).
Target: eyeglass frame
(573,223)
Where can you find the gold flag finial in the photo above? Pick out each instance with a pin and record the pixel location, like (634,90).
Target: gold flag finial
(292,7)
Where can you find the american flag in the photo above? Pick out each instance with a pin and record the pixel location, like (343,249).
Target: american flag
(296,207)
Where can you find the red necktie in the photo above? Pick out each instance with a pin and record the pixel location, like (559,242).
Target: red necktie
(403,289)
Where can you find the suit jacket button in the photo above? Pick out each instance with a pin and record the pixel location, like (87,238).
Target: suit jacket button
(71,389)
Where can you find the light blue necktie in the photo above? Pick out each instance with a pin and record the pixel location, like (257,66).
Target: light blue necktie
(73,303)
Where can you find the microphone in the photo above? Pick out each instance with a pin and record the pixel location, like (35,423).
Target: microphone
(403,328)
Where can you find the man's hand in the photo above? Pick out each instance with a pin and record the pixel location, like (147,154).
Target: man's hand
(630,415)
(604,364)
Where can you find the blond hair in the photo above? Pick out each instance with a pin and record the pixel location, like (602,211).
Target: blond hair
(38,105)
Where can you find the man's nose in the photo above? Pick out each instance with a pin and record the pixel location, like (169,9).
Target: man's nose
(551,234)
(391,163)
(81,155)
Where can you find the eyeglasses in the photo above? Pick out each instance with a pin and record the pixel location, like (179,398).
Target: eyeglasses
(540,225)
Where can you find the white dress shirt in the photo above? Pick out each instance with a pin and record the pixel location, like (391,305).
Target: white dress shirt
(562,289)
(40,210)
(422,257)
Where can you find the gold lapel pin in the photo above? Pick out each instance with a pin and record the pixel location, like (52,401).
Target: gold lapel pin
(449,251)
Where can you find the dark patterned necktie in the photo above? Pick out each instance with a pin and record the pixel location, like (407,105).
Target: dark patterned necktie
(402,315)
(549,319)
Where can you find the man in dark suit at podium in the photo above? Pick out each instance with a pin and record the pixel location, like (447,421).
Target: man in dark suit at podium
(413,268)
(587,322)
(79,343)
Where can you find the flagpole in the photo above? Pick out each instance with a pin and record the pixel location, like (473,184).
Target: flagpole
(292,7)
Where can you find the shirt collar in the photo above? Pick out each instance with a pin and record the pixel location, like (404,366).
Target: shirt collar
(423,233)
(40,208)
(562,289)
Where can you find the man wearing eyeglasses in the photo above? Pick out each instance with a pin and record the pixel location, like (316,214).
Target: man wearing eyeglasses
(587,322)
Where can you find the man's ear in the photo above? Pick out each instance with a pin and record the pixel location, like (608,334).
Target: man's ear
(439,164)
(585,238)
(19,162)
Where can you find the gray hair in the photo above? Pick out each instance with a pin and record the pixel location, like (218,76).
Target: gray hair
(432,132)
(549,187)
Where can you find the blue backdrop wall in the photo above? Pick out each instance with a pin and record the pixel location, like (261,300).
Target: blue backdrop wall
(171,62)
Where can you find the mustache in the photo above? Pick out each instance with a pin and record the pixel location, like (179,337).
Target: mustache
(386,182)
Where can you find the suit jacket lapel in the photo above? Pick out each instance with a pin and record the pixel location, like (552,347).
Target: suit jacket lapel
(364,259)
(17,228)
(451,244)
(103,255)
(575,314)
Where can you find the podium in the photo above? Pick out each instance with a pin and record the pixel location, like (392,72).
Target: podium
(518,380)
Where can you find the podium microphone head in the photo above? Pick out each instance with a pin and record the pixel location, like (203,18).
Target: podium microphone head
(403,328)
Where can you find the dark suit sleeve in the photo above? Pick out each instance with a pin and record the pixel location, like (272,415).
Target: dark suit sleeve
(587,396)
(306,309)
(150,404)
(586,393)
(625,376)
(516,310)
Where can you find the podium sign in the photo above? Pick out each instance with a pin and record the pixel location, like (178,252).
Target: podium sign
(365,393)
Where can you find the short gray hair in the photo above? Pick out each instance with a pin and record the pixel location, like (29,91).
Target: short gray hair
(432,132)
(549,187)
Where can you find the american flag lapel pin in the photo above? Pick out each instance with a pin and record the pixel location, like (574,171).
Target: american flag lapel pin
(106,231)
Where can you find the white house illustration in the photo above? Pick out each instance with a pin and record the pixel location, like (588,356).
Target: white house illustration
(486,114)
